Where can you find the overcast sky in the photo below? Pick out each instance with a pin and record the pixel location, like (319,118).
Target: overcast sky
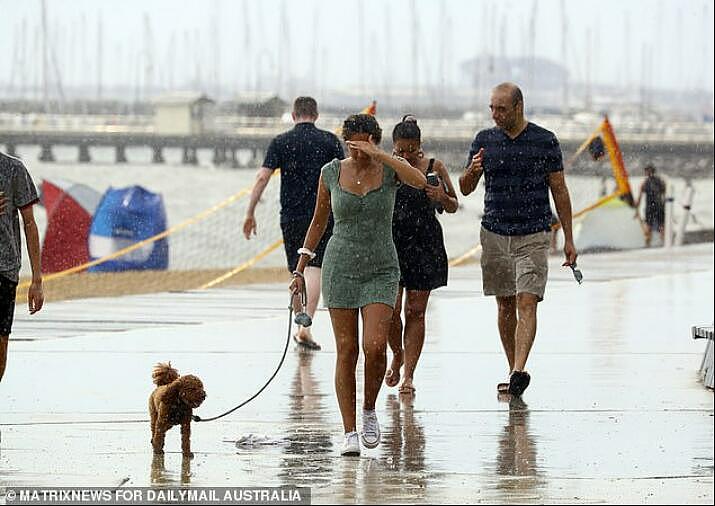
(325,44)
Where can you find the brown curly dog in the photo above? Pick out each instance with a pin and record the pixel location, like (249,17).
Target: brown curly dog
(171,403)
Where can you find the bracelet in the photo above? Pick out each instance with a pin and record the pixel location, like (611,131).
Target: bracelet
(298,274)
(306,251)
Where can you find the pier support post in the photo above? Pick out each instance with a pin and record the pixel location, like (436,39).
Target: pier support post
(219,155)
(158,156)
(46,153)
(11,150)
(84,153)
(189,157)
(121,156)
(234,159)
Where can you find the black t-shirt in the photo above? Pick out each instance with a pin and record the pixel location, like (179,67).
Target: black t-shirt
(654,189)
(516,173)
(300,153)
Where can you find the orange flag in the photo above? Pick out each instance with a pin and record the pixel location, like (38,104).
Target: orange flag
(619,168)
(370,109)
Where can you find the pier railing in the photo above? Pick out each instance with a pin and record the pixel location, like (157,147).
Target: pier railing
(671,143)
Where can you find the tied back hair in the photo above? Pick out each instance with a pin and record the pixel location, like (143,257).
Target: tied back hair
(407,129)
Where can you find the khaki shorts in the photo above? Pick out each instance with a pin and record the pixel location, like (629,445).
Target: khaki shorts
(514,264)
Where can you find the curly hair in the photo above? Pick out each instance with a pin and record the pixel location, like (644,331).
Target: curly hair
(362,124)
(163,374)
(407,129)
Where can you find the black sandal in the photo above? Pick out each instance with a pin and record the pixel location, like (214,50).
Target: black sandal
(518,382)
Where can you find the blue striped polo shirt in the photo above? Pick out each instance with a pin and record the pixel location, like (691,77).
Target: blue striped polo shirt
(516,173)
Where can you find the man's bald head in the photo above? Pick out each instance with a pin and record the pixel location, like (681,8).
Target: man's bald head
(507,106)
(512,90)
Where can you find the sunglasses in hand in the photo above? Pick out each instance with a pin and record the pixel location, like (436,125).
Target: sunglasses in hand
(578,276)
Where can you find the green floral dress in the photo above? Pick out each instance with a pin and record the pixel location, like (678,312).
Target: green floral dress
(360,266)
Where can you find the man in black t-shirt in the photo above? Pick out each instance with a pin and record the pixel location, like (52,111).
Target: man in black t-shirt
(300,154)
(521,163)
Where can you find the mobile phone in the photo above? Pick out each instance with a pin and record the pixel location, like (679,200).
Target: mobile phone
(433,180)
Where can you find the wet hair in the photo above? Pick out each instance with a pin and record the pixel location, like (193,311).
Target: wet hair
(305,107)
(362,124)
(515,92)
(407,129)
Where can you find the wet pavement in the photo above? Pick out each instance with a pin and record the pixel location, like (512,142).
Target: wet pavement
(615,412)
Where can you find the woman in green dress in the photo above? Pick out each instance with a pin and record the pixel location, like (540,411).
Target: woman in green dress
(361,273)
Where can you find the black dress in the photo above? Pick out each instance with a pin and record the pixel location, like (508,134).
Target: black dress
(418,239)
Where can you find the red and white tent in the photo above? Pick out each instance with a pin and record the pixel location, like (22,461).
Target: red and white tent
(70,207)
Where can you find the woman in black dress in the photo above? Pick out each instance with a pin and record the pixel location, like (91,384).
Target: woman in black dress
(420,250)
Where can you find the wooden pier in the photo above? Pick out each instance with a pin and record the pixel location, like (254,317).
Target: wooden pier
(675,156)
(224,147)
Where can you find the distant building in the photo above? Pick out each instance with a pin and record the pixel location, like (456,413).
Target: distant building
(541,79)
(259,104)
(183,113)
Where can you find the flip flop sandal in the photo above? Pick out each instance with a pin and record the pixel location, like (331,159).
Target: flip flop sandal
(308,345)
(407,390)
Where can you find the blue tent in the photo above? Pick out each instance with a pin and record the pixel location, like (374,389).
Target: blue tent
(124,217)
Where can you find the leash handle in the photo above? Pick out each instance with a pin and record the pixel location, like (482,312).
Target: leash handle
(303,291)
(301,317)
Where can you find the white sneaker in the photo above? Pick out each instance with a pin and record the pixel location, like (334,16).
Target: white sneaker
(370,434)
(351,445)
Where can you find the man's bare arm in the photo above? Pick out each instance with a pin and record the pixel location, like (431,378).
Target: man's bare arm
(35,297)
(262,177)
(560,191)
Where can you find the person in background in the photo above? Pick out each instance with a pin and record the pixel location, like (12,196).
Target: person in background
(299,153)
(653,188)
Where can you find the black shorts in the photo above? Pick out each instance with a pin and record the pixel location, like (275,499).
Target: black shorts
(655,217)
(7,305)
(293,237)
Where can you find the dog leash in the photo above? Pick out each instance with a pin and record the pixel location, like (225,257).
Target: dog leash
(75,422)
(301,318)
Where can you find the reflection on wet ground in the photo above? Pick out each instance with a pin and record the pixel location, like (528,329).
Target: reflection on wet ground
(516,461)
(614,412)
(405,444)
(309,449)
(160,477)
